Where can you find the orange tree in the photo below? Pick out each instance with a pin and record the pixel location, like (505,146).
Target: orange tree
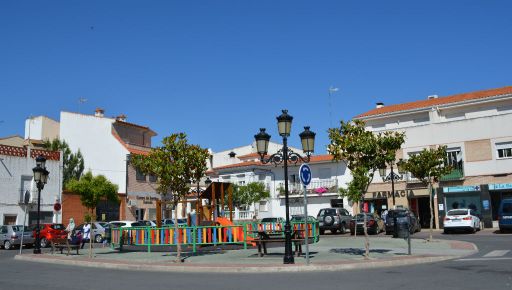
(364,152)
(428,166)
(92,190)
(175,164)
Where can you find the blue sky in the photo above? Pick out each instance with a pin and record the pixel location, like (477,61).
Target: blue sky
(220,70)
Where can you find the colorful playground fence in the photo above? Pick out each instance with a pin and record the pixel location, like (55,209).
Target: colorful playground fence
(196,236)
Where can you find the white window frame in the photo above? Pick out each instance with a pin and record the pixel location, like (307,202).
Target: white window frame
(503,146)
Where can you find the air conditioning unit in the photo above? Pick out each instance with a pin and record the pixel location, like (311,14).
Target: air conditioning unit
(132,203)
(147,199)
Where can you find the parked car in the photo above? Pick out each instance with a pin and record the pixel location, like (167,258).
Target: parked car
(402,216)
(333,219)
(125,224)
(505,215)
(98,230)
(170,222)
(48,232)
(300,218)
(273,220)
(374,224)
(147,223)
(10,236)
(461,219)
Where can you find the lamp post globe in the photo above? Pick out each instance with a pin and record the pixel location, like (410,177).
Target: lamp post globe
(284,124)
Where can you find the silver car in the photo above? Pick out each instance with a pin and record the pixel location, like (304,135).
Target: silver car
(10,236)
(98,230)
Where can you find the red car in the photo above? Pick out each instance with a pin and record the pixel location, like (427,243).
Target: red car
(50,231)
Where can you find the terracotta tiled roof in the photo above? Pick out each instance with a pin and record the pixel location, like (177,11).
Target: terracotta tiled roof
(49,155)
(248,156)
(438,101)
(130,148)
(13,151)
(22,152)
(135,125)
(314,159)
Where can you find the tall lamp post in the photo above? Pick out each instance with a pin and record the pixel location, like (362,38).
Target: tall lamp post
(284,125)
(40,178)
(392,176)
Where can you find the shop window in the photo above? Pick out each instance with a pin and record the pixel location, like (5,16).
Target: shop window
(504,150)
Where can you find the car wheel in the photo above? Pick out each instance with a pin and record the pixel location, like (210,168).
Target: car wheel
(352,233)
(334,231)
(7,245)
(343,228)
(98,238)
(44,243)
(446,231)
(322,232)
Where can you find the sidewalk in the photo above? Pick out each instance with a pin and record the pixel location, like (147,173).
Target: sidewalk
(330,254)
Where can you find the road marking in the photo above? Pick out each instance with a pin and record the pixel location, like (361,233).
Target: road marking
(496,253)
(482,259)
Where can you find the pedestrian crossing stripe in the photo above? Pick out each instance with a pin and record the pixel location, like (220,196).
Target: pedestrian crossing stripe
(496,253)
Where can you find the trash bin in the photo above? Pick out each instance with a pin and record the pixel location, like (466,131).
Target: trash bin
(401,231)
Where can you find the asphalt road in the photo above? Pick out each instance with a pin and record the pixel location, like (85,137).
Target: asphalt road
(491,268)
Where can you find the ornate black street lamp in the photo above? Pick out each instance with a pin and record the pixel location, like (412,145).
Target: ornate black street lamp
(392,176)
(284,125)
(40,178)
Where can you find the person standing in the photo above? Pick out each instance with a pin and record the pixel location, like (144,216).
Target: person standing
(87,234)
(70,228)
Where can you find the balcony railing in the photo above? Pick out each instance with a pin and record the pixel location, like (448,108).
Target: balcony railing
(316,187)
(457,173)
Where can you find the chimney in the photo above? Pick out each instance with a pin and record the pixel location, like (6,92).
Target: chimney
(379,105)
(121,118)
(99,112)
(432,97)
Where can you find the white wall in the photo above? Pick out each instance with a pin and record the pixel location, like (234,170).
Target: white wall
(41,128)
(102,152)
(13,170)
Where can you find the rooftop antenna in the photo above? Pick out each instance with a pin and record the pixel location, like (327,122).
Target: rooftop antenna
(331,91)
(81,101)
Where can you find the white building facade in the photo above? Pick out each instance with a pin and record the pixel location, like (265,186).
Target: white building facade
(16,178)
(475,128)
(323,191)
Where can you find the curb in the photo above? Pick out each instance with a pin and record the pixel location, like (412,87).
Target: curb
(195,268)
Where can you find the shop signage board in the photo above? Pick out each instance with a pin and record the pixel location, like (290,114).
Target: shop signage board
(461,188)
(499,186)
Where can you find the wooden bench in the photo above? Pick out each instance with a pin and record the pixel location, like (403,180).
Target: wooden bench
(276,237)
(62,243)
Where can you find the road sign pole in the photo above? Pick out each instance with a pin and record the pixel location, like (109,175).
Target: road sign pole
(305,178)
(306,230)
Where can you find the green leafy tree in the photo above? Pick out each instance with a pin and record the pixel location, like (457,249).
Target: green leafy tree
(428,166)
(73,162)
(253,192)
(175,164)
(364,152)
(92,190)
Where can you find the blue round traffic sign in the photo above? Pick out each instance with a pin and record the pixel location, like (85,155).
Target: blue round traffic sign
(305,174)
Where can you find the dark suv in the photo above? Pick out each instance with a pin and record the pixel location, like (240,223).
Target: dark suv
(333,219)
(403,216)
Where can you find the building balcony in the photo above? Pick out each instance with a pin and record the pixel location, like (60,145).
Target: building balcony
(317,187)
(457,173)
